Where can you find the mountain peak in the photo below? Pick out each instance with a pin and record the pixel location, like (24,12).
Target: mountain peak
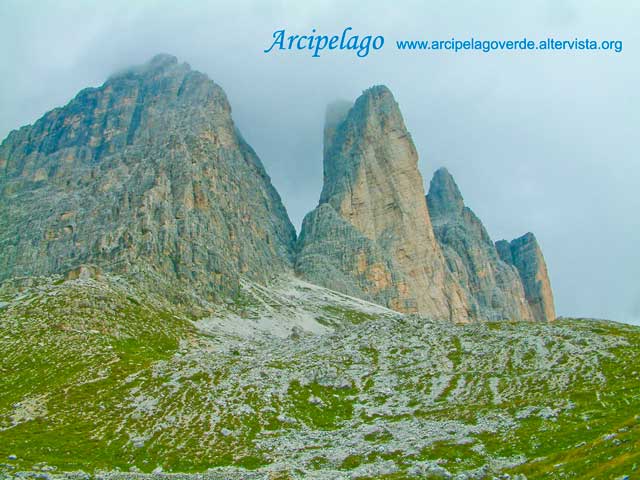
(525,254)
(528,237)
(162,64)
(163,59)
(372,227)
(147,171)
(444,195)
(377,93)
(374,118)
(378,103)
(494,289)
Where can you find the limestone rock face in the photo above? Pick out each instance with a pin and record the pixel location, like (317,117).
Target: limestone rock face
(371,235)
(146,171)
(493,287)
(525,254)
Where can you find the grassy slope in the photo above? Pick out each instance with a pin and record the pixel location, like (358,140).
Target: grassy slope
(68,352)
(96,375)
(601,438)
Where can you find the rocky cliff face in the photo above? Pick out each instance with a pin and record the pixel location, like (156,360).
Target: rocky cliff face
(147,171)
(493,287)
(148,176)
(371,235)
(525,254)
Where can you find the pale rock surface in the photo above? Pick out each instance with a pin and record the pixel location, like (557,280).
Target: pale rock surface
(146,172)
(525,254)
(494,290)
(148,176)
(371,235)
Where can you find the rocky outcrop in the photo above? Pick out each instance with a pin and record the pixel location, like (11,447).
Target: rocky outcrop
(493,287)
(147,176)
(371,234)
(374,236)
(525,254)
(147,171)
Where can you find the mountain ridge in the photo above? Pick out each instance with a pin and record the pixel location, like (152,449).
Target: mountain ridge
(371,235)
(497,289)
(155,145)
(190,199)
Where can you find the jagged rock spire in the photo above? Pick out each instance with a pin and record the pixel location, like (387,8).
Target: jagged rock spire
(148,174)
(372,201)
(444,196)
(526,255)
(494,290)
(372,236)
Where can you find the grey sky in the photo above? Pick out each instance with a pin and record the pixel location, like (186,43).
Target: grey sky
(539,142)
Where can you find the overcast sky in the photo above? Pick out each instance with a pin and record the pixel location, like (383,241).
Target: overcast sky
(542,142)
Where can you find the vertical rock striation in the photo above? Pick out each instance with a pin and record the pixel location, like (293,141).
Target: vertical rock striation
(493,287)
(371,234)
(147,175)
(147,171)
(374,236)
(525,254)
